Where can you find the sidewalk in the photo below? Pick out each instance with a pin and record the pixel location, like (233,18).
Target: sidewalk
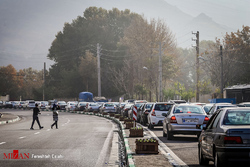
(8,118)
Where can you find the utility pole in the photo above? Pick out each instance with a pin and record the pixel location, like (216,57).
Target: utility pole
(44,72)
(99,69)
(197,66)
(160,73)
(221,72)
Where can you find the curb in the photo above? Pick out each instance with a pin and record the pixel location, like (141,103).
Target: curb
(10,121)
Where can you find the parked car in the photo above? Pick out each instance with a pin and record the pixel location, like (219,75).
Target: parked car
(7,104)
(61,104)
(92,107)
(81,106)
(1,104)
(156,115)
(144,111)
(21,104)
(217,106)
(226,138)
(71,106)
(108,108)
(29,104)
(182,119)
(43,104)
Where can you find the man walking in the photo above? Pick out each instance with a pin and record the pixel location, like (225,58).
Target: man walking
(36,111)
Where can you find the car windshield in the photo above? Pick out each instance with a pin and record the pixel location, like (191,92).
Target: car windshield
(148,106)
(188,109)
(219,107)
(82,104)
(162,107)
(235,117)
(94,104)
(138,105)
(207,108)
(62,103)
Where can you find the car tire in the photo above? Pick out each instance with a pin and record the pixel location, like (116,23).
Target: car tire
(202,160)
(217,161)
(150,126)
(169,135)
(164,134)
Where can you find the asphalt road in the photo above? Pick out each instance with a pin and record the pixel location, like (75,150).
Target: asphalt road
(183,146)
(81,140)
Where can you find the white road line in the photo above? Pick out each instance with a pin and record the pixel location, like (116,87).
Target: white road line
(48,129)
(36,133)
(2,143)
(22,137)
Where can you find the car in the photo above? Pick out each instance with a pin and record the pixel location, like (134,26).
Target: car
(244,104)
(62,105)
(71,106)
(145,109)
(177,101)
(125,109)
(120,107)
(21,104)
(81,106)
(1,104)
(226,138)
(138,104)
(156,114)
(217,106)
(91,106)
(207,107)
(182,119)
(108,108)
(7,104)
(29,104)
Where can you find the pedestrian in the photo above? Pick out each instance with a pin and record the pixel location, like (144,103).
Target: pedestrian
(36,111)
(55,116)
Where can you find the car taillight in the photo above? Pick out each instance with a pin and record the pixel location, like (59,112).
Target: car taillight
(232,140)
(173,119)
(206,120)
(104,107)
(153,113)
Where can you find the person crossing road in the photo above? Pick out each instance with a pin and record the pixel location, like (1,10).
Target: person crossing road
(36,111)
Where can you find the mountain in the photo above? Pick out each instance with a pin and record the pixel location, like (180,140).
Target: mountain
(28,27)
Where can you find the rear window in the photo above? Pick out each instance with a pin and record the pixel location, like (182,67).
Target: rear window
(235,117)
(219,107)
(94,104)
(188,109)
(109,105)
(163,107)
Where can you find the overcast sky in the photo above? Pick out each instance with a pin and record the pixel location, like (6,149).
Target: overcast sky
(28,27)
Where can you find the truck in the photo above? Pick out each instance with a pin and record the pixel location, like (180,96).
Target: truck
(86,97)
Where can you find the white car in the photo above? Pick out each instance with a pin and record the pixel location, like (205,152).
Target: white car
(156,115)
(108,108)
(71,106)
(92,107)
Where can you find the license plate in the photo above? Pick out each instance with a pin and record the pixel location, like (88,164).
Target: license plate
(189,120)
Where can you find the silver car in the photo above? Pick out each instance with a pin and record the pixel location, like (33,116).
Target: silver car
(182,119)
(108,108)
(226,139)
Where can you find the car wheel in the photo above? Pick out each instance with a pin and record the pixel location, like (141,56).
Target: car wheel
(217,161)
(150,126)
(164,134)
(169,135)
(202,160)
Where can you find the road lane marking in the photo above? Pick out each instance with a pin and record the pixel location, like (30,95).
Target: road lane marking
(2,143)
(48,129)
(22,137)
(36,133)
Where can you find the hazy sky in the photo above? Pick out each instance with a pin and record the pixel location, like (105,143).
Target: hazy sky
(28,27)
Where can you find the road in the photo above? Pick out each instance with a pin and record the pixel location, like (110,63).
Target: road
(183,146)
(81,140)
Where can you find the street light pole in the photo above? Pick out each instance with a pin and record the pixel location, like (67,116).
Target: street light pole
(221,72)
(160,73)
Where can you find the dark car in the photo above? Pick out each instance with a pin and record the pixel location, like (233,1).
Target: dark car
(226,138)
(145,109)
(7,104)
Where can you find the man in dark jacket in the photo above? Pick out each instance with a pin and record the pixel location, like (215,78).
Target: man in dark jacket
(36,111)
